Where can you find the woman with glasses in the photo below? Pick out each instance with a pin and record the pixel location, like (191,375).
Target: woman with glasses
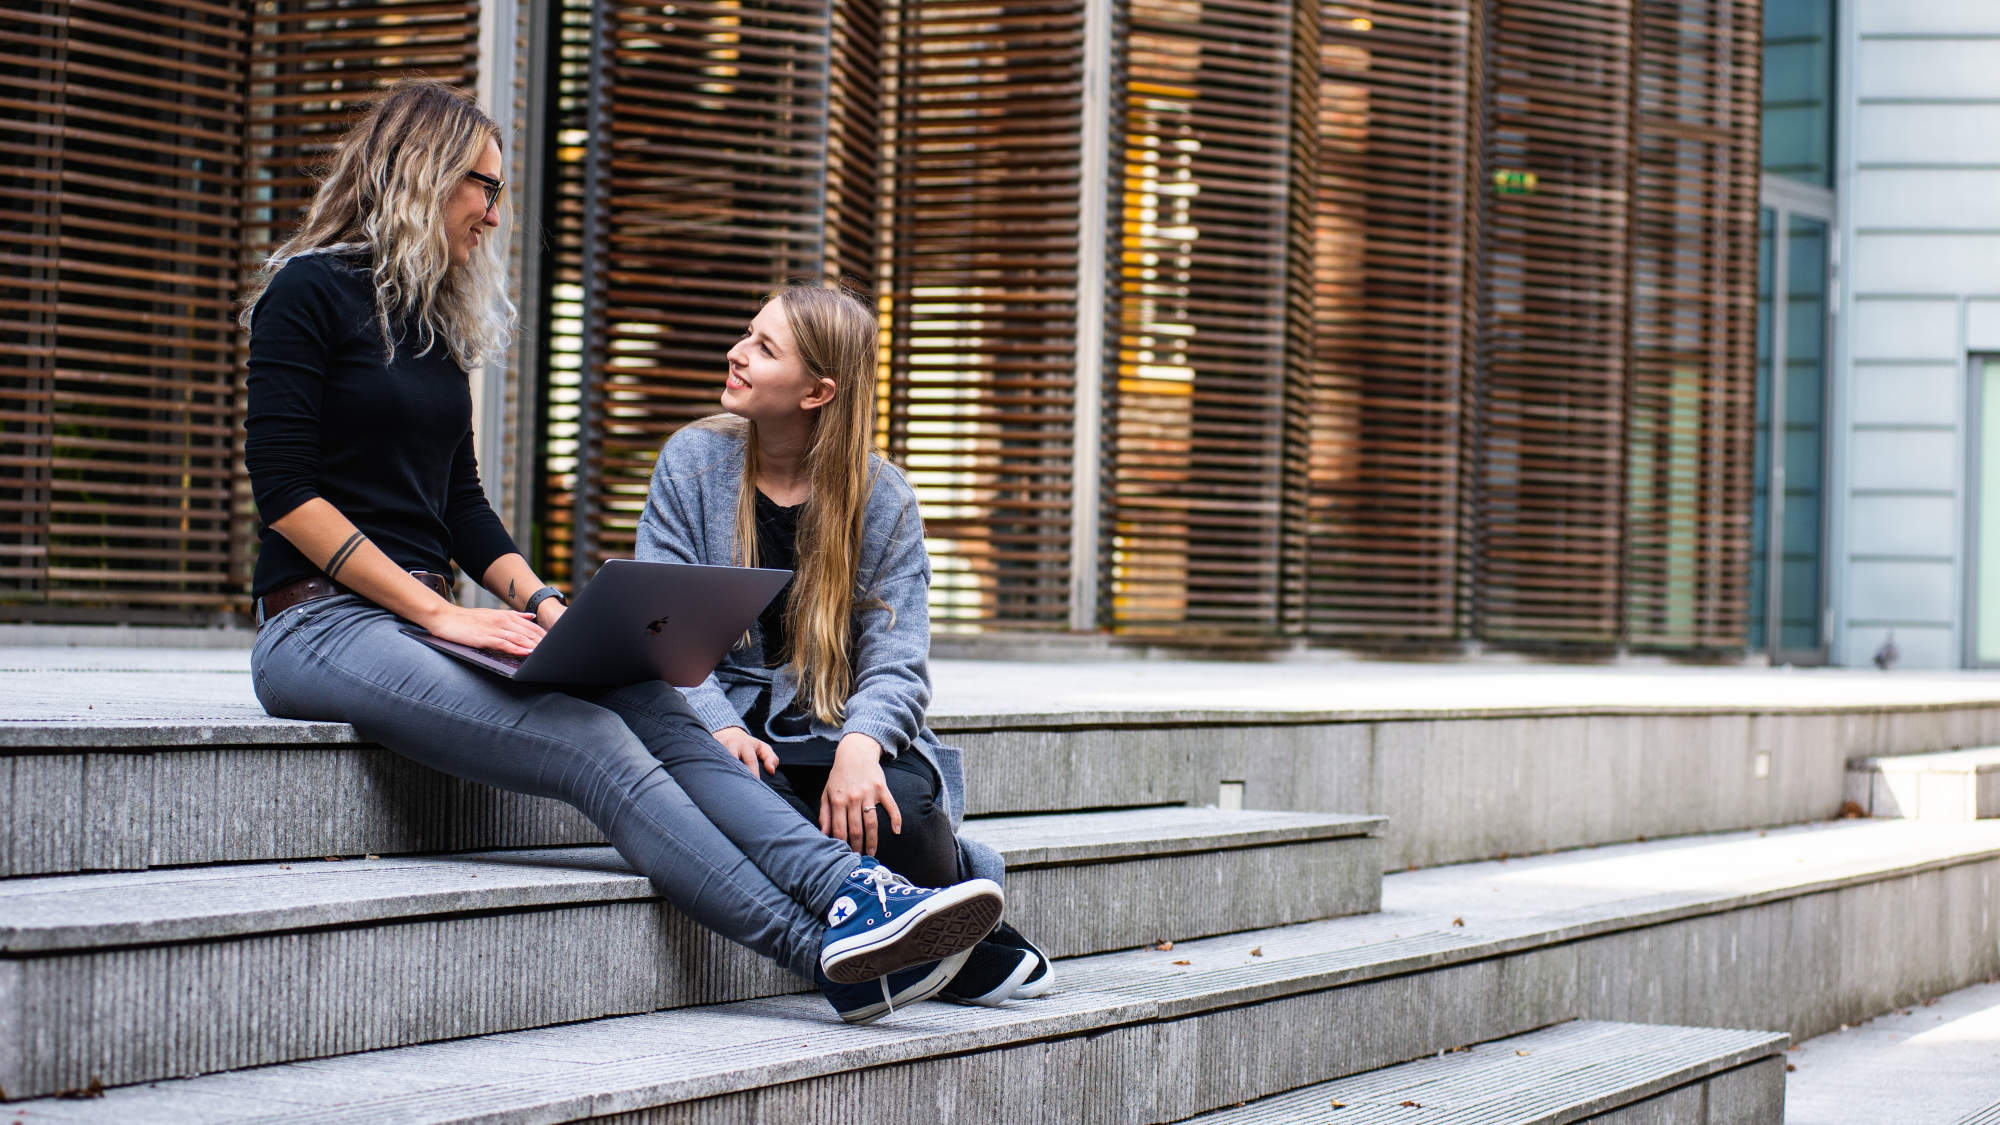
(362,328)
(825,699)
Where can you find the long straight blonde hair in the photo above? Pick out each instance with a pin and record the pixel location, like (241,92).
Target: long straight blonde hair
(392,172)
(835,335)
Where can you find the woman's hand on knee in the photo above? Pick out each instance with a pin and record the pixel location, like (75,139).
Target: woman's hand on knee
(747,748)
(856,800)
(496,630)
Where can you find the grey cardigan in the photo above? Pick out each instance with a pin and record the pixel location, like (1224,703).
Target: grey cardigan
(691,518)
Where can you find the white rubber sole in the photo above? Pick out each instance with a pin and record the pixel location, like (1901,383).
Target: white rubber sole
(930,985)
(949,922)
(1005,990)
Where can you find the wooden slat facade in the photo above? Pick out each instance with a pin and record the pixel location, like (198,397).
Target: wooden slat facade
(1426,321)
(1692,388)
(1390,320)
(123,169)
(1556,270)
(985,144)
(1199,400)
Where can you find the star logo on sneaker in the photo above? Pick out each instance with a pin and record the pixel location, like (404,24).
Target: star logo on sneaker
(843,909)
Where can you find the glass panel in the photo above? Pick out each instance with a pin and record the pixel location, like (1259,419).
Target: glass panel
(1760,506)
(1987,630)
(1798,90)
(1799,590)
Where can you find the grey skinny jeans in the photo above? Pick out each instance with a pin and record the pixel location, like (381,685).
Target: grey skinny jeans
(715,841)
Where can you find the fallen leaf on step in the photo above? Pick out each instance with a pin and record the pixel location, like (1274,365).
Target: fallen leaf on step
(374,857)
(333,859)
(1163,946)
(1336,1104)
(1458,922)
(284,867)
(1411,1105)
(1850,810)
(1257,952)
(1184,962)
(1520,1052)
(1790,1068)
(94,1090)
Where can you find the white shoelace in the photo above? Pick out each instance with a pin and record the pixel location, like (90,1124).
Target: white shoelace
(883,880)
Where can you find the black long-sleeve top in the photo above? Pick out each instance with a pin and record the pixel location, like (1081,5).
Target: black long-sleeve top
(387,443)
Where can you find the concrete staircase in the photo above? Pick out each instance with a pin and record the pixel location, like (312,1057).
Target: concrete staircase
(1952,785)
(1583,1071)
(171,910)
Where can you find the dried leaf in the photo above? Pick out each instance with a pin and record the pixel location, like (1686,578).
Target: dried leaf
(94,1090)
(1336,1104)
(1850,810)
(1522,1053)
(1458,922)
(374,857)
(1184,962)
(1790,1068)
(284,867)
(334,858)
(1411,1105)
(1257,952)
(1163,946)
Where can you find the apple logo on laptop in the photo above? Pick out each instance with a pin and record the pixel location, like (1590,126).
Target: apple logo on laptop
(654,627)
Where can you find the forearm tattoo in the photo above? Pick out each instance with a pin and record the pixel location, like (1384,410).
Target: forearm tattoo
(346,552)
(510,591)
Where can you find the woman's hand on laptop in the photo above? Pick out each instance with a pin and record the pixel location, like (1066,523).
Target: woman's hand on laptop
(495,630)
(747,748)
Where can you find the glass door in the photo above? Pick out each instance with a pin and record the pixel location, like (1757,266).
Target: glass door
(1788,525)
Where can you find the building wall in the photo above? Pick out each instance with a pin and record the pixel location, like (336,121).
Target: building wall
(1921,194)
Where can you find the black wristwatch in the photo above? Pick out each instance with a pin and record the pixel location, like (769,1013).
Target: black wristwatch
(536,599)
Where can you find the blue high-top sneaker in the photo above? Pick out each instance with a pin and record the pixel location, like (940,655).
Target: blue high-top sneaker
(880,922)
(871,1000)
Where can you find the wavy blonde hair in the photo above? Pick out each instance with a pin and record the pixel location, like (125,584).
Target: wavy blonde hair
(391,174)
(835,333)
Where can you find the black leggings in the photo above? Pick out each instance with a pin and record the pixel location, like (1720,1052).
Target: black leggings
(926,851)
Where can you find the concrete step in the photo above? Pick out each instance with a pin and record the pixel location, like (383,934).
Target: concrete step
(1936,1062)
(1797,931)
(1988,1116)
(1587,1070)
(117,760)
(1953,785)
(130,976)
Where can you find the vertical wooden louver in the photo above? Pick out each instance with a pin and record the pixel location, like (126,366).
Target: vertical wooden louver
(713,187)
(1198,400)
(1550,457)
(1389,305)
(985,140)
(560,442)
(1692,388)
(121,164)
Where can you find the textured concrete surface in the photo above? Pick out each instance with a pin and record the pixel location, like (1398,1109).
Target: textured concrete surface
(131,976)
(1797,931)
(1578,1071)
(1955,785)
(52,689)
(1933,1063)
(1506,760)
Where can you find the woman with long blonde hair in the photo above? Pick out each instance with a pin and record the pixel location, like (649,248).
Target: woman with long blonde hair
(826,697)
(360,452)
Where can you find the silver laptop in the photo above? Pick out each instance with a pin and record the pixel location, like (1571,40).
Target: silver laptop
(637,621)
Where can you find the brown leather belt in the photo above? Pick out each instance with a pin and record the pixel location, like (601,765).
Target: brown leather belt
(320,586)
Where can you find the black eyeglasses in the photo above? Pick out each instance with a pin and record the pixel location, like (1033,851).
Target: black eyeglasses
(492,187)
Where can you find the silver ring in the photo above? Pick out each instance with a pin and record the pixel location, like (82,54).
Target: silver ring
(869,808)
